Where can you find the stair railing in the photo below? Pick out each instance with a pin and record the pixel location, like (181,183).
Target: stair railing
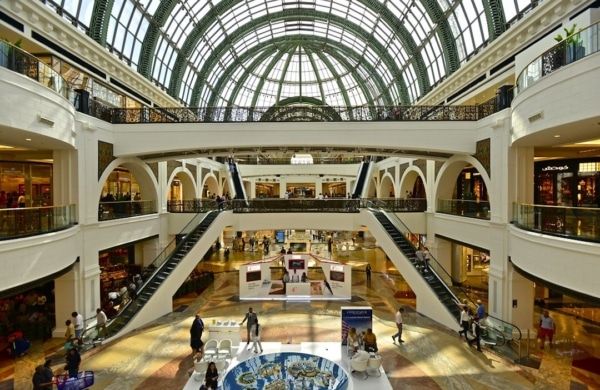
(501,330)
(156,265)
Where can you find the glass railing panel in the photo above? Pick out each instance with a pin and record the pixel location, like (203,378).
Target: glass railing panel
(18,60)
(331,205)
(125,209)
(31,221)
(399,205)
(464,208)
(575,47)
(579,223)
(192,206)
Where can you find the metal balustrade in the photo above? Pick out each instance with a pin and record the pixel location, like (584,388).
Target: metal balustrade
(31,221)
(578,223)
(125,209)
(575,47)
(331,205)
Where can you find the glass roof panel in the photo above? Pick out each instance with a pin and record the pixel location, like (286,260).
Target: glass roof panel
(388,36)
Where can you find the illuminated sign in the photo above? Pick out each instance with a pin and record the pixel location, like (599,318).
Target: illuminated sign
(556,168)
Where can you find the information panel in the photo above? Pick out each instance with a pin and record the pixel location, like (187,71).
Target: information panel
(358,317)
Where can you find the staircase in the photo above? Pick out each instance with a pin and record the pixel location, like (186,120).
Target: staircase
(441,290)
(161,273)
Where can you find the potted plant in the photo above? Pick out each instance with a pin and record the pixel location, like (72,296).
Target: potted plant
(573,44)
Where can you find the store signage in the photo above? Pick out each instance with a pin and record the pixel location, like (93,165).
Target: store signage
(338,268)
(253,268)
(555,168)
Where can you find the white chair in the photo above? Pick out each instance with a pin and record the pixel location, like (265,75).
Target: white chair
(360,363)
(221,366)
(374,365)
(224,350)
(200,370)
(211,349)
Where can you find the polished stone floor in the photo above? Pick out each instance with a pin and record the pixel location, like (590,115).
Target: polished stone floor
(158,356)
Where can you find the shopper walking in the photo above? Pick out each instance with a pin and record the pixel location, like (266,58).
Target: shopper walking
(464,322)
(368,272)
(101,320)
(250,320)
(196,334)
(255,333)
(547,329)
(78,325)
(399,325)
(477,333)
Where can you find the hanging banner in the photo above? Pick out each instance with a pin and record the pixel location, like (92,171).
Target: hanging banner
(357,317)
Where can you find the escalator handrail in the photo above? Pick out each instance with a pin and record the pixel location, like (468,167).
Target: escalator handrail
(157,270)
(372,205)
(362,176)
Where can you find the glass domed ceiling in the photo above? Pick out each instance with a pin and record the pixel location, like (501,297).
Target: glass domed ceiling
(265,52)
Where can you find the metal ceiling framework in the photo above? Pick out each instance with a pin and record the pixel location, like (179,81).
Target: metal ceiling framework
(429,38)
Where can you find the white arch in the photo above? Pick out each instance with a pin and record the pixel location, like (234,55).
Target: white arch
(214,189)
(407,181)
(142,172)
(384,192)
(446,179)
(188,175)
(373,189)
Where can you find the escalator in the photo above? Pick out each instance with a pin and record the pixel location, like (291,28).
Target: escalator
(160,270)
(359,187)
(236,178)
(504,337)
(443,293)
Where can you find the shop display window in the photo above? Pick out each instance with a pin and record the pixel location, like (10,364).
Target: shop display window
(564,195)
(120,185)
(546,189)
(33,180)
(587,190)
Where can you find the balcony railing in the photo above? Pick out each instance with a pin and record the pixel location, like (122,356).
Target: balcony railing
(399,205)
(464,208)
(31,221)
(296,205)
(574,48)
(578,223)
(192,206)
(125,209)
(307,113)
(17,60)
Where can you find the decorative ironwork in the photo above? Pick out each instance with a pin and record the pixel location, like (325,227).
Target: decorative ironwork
(296,205)
(301,113)
(105,156)
(482,154)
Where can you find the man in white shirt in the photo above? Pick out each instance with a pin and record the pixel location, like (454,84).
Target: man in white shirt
(101,320)
(78,324)
(546,329)
(399,325)
(464,322)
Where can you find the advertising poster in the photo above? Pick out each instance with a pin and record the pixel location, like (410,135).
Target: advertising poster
(358,317)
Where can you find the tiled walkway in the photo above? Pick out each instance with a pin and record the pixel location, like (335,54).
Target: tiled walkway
(158,357)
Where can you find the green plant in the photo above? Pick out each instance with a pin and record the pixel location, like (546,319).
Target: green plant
(571,36)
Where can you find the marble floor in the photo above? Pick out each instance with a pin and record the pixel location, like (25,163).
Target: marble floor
(158,356)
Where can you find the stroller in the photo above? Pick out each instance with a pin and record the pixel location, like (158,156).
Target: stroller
(84,380)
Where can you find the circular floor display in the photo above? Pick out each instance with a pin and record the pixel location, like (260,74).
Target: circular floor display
(286,370)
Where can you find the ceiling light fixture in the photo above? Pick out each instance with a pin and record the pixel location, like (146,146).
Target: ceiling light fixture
(557,136)
(28,139)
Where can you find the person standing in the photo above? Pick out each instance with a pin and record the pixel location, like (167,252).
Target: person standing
(399,325)
(39,379)
(477,333)
(196,334)
(252,241)
(368,272)
(211,379)
(286,280)
(255,333)
(480,309)
(101,320)
(547,329)
(73,362)
(78,325)
(69,335)
(464,321)
(250,320)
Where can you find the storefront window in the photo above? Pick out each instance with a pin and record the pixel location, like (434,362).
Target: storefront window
(568,183)
(33,181)
(121,185)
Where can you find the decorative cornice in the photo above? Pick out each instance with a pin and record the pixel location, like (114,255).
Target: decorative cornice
(36,15)
(545,15)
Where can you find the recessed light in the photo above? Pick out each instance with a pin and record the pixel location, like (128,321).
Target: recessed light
(557,136)
(27,139)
